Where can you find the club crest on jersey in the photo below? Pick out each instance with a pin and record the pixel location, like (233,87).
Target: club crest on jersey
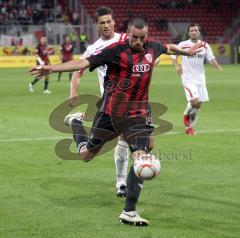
(148,58)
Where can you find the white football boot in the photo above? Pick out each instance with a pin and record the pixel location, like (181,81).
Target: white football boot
(30,88)
(132,218)
(69,118)
(47,91)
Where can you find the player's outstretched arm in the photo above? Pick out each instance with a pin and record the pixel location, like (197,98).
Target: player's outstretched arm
(215,64)
(176,50)
(72,65)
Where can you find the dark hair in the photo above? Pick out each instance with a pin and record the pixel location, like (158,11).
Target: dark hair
(194,24)
(102,11)
(138,22)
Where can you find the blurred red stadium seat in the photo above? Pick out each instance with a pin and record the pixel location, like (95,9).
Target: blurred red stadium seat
(213,19)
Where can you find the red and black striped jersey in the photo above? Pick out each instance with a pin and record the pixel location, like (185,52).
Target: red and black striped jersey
(128,77)
(67,52)
(42,52)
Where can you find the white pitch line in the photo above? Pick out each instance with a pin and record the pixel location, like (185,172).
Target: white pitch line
(33,139)
(166,134)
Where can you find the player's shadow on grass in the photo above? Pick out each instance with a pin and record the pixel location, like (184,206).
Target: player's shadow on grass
(235,205)
(68,192)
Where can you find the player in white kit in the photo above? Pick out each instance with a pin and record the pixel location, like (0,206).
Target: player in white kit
(193,76)
(105,25)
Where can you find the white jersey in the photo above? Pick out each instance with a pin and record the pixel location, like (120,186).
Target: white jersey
(94,49)
(193,66)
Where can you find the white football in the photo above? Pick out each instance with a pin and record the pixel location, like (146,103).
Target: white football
(147,166)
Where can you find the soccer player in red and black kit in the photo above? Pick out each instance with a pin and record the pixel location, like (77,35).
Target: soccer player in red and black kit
(124,106)
(66,54)
(42,59)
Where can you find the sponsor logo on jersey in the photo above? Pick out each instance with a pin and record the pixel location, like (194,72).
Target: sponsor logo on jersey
(199,56)
(141,68)
(100,47)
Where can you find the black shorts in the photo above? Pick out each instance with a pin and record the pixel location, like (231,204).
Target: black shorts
(136,131)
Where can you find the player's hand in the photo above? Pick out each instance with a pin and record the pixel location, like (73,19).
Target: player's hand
(179,70)
(40,70)
(219,67)
(72,101)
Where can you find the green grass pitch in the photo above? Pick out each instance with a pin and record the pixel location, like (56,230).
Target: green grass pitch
(43,196)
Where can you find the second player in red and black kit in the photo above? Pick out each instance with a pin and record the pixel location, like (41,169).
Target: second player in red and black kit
(66,54)
(42,53)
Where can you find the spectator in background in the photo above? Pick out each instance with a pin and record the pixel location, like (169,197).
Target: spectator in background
(73,37)
(66,19)
(26,51)
(28,12)
(39,6)
(35,17)
(75,17)
(22,17)
(68,13)
(83,41)
(1,19)
(59,12)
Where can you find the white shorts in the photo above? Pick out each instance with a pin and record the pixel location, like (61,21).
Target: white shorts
(193,91)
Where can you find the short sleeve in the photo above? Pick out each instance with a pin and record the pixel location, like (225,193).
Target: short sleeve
(209,53)
(106,56)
